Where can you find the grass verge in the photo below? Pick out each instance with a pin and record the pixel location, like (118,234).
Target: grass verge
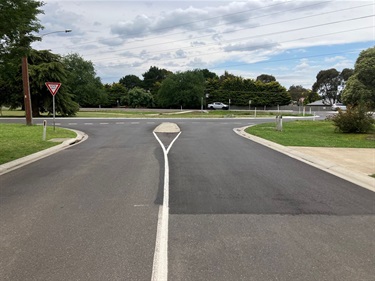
(134,113)
(313,134)
(18,140)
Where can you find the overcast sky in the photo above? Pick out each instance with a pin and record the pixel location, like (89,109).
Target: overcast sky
(291,40)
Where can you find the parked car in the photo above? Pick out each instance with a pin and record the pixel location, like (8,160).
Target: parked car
(217,105)
(337,106)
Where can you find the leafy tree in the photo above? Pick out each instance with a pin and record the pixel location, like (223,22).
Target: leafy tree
(17,23)
(184,89)
(116,94)
(265,78)
(152,76)
(208,74)
(226,75)
(360,88)
(131,81)
(138,97)
(86,88)
(312,96)
(297,92)
(330,84)
(45,66)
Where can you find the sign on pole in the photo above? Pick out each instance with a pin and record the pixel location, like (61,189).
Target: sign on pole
(53,87)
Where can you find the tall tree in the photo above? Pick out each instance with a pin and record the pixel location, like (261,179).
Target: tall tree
(17,23)
(184,89)
(208,74)
(330,84)
(327,83)
(116,94)
(45,66)
(152,76)
(360,87)
(82,81)
(297,92)
(265,78)
(131,81)
(138,97)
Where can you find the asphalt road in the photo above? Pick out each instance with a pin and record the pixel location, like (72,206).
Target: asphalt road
(238,210)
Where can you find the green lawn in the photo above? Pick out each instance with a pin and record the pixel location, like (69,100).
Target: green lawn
(17,140)
(144,113)
(312,133)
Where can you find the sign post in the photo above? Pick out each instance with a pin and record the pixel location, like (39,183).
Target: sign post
(53,87)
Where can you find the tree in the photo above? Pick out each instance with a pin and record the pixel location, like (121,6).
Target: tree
(131,81)
(360,88)
(138,97)
(330,84)
(45,66)
(184,89)
(208,74)
(86,88)
(152,76)
(265,78)
(116,94)
(17,23)
(298,93)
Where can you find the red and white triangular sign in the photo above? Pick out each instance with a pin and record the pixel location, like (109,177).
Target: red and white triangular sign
(53,87)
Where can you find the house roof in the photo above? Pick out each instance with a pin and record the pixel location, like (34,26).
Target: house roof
(319,103)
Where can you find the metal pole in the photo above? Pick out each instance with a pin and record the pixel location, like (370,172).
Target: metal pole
(26,91)
(53,101)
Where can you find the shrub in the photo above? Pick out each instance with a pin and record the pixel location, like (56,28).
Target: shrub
(354,120)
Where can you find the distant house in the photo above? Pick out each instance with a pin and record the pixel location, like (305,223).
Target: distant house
(319,105)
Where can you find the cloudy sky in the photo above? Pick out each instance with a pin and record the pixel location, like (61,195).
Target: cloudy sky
(291,40)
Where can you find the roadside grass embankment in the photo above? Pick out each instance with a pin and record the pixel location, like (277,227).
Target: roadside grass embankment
(312,134)
(18,140)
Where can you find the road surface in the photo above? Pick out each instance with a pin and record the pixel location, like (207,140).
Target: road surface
(238,210)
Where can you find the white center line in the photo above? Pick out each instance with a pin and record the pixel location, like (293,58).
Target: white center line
(160,264)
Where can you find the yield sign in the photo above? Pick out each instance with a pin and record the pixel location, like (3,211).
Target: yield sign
(53,87)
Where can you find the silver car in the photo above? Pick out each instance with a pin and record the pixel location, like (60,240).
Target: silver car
(337,106)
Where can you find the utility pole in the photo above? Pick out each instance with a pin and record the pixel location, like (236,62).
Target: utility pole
(26,84)
(26,91)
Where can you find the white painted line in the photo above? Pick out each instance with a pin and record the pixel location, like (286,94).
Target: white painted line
(88,123)
(120,123)
(72,123)
(160,263)
(134,123)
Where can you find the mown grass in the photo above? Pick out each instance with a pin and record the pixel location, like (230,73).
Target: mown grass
(313,134)
(131,113)
(18,140)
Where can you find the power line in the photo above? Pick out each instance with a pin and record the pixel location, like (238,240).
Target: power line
(261,45)
(274,23)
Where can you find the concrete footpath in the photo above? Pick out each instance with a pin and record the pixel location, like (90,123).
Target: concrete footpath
(352,164)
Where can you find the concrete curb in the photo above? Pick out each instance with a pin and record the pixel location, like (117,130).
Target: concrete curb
(18,163)
(357,178)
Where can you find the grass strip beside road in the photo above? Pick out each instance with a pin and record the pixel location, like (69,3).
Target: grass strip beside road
(312,134)
(18,140)
(160,113)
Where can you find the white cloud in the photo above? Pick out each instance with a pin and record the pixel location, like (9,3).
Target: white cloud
(248,37)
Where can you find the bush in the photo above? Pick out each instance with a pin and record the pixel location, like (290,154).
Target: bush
(354,120)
